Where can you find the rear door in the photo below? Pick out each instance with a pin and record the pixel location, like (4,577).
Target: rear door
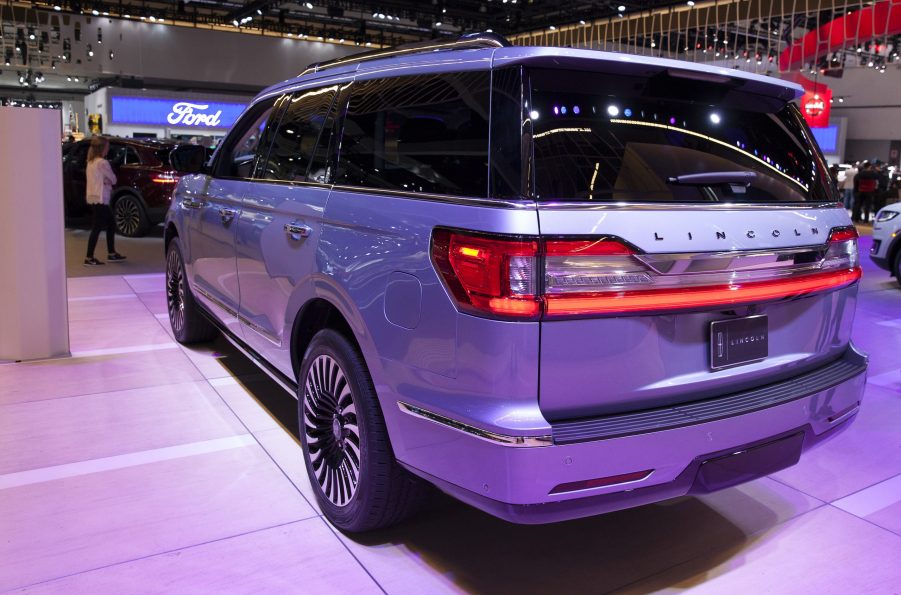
(211,217)
(280,222)
(686,226)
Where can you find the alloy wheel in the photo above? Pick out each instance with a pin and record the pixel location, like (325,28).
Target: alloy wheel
(128,216)
(175,291)
(331,429)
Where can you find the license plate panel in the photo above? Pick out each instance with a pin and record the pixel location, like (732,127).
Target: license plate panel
(738,341)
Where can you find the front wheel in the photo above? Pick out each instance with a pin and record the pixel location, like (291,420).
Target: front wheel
(896,267)
(188,324)
(358,483)
(131,220)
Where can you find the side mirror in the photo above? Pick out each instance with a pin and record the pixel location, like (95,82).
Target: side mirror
(188,159)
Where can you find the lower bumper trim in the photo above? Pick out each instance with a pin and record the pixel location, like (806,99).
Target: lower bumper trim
(501,439)
(769,455)
(696,412)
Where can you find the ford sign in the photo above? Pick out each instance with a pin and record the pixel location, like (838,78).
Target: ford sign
(173,112)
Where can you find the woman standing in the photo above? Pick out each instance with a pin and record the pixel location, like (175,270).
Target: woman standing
(100,180)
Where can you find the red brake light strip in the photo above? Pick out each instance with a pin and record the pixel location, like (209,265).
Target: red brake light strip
(697,297)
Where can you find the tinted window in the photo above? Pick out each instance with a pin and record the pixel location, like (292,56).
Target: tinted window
(240,147)
(116,154)
(131,156)
(507,179)
(423,133)
(294,143)
(618,138)
(76,158)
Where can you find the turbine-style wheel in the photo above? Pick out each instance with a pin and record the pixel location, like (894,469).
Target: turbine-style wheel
(188,324)
(332,433)
(129,217)
(175,291)
(357,481)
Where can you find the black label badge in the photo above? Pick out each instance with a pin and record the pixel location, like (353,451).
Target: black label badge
(738,341)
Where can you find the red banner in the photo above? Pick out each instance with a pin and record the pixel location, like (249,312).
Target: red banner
(815,107)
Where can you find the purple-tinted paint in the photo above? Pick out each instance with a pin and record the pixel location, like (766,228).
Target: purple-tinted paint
(515,379)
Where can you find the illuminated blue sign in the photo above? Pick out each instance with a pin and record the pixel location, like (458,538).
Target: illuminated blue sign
(827,138)
(174,112)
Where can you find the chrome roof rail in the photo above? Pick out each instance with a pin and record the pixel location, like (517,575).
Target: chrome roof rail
(468,41)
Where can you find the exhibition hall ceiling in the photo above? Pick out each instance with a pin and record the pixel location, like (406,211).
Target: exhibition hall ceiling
(382,22)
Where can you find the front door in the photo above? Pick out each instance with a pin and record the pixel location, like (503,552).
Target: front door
(212,216)
(280,221)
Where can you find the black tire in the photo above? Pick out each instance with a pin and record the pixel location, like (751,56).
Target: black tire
(384,493)
(896,267)
(130,217)
(188,324)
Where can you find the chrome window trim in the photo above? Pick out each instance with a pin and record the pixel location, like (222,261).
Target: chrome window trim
(464,200)
(500,439)
(676,206)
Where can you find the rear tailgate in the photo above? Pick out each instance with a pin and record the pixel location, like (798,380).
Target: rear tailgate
(668,200)
(594,365)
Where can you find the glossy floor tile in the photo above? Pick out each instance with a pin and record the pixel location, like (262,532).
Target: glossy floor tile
(146,466)
(825,551)
(88,521)
(54,431)
(66,377)
(880,504)
(299,557)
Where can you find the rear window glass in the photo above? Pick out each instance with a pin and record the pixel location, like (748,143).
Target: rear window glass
(163,155)
(601,138)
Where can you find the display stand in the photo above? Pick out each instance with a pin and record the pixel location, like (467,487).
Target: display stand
(34,322)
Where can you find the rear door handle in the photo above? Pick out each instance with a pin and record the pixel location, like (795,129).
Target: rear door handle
(227,215)
(298,230)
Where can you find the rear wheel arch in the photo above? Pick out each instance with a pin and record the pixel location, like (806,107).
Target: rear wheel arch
(894,256)
(316,315)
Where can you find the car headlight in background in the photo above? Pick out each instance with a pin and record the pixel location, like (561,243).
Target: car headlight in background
(884,216)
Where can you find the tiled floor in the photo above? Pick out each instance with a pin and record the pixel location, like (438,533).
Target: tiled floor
(139,465)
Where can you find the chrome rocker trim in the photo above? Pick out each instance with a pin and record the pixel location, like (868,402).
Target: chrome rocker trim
(504,440)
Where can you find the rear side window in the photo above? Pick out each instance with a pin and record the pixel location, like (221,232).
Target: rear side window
(423,133)
(602,137)
(116,154)
(294,143)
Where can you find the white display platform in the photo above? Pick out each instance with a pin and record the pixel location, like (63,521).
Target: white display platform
(33,316)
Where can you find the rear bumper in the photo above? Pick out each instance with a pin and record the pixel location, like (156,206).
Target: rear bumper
(516,482)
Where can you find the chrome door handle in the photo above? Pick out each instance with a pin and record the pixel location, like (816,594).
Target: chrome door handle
(227,215)
(298,230)
(190,203)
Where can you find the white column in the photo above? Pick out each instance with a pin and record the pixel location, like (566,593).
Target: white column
(33,316)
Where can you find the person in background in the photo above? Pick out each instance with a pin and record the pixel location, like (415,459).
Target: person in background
(881,188)
(894,191)
(847,187)
(100,180)
(866,183)
(833,173)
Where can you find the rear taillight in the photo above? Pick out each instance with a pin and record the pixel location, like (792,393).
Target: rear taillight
(166,178)
(489,274)
(841,252)
(528,278)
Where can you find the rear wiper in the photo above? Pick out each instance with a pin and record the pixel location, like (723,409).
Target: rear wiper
(714,177)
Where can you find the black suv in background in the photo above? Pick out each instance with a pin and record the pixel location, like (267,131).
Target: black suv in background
(145,179)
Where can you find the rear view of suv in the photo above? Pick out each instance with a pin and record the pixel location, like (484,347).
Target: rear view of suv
(551,282)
